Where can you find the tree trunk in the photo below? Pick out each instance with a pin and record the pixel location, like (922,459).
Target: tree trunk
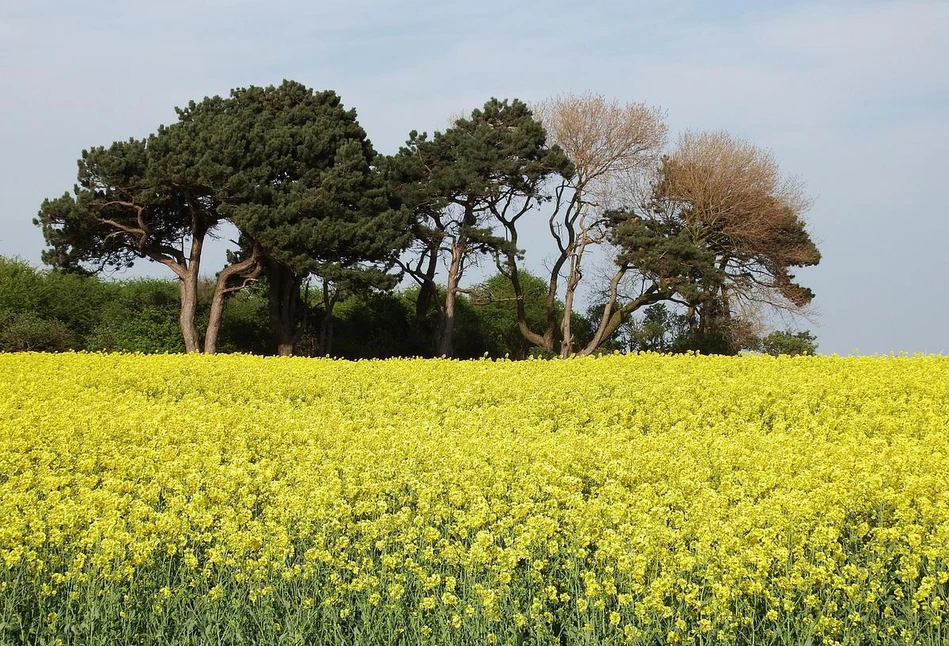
(448,317)
(427,290)
(186,269)
(326,325)
(544,341)
(326,336)
(188,289)
(221,292)
(283,298)
(576,250)
(215,316)
(566,336)
(613,318)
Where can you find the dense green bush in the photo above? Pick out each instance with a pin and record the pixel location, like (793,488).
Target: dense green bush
(55,311)
(375,325)
(49,304)
(28,332)
(789,342)
(140,316)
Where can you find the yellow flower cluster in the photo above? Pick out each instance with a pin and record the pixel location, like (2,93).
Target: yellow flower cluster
(622,499)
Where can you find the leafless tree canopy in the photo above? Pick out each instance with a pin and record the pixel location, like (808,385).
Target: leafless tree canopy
(609,142)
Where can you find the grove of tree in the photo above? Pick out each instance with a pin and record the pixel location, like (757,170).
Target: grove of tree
(649,248)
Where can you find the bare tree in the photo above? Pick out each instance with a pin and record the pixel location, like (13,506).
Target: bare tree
(612,146)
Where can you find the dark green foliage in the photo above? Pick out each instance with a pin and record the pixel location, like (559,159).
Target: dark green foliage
(376,326)
(667,330)
(659,246)
(497,157)
(140,317)
(725,335)
(21,285)
(470,339)
(294,172)
(789,342)
(28,332)
(497,312)
(384,325)
(469,333)
(55,311)
(70,299)
(140,199)
(121,210)
(47,310)
(51,310)
(292,169)
(246,325)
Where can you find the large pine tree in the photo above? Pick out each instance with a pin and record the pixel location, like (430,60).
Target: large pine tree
(298,180)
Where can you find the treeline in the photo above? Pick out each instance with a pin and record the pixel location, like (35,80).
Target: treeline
(697,238)
(53,311)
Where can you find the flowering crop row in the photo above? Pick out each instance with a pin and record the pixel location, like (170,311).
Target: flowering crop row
(624,499)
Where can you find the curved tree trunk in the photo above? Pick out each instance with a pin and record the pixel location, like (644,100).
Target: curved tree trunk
(545,341)
(250,269)
(215,317)
(576,249)
(188,289)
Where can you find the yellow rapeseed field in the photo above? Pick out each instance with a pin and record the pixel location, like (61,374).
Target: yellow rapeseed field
(616,500)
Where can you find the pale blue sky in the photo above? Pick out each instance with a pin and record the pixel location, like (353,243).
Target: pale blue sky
(853,97)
